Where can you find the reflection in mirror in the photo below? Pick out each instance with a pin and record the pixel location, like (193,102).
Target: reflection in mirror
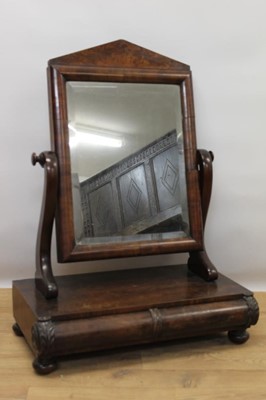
(127,161)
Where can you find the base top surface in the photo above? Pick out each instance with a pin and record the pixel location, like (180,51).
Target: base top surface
(96,294)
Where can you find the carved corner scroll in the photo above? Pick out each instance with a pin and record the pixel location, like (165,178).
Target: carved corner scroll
(43,336)
(240,336)
(253,310)
(43,339)
(199,262)
(44,278)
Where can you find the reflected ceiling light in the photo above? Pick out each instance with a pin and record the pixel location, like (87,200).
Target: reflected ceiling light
(92,136)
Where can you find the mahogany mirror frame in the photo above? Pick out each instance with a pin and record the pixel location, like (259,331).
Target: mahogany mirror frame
(119,61)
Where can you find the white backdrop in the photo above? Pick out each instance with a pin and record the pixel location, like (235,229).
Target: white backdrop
(223,41)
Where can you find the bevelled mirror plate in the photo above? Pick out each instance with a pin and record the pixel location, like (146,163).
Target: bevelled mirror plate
(126,149)
(127,161)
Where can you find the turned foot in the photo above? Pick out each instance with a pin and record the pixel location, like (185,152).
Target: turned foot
(238,336)
(44,367)
(17,330)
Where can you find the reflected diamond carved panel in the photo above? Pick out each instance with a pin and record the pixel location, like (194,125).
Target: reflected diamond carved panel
(170,177)
(134,195)
(166,174)
(103,211)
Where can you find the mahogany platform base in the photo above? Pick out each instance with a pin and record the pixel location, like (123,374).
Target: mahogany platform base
(129,307)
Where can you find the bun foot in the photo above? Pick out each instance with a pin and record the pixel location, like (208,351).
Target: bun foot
(44,367)
(238,336)
(17,330)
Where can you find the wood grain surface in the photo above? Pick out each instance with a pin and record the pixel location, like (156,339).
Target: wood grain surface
(211,368)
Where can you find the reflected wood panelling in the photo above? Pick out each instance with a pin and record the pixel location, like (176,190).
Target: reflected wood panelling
(143,193)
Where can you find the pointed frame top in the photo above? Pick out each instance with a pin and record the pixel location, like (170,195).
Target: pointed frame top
(117,54)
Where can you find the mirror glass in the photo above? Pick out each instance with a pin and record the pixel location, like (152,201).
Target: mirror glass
(127,161)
